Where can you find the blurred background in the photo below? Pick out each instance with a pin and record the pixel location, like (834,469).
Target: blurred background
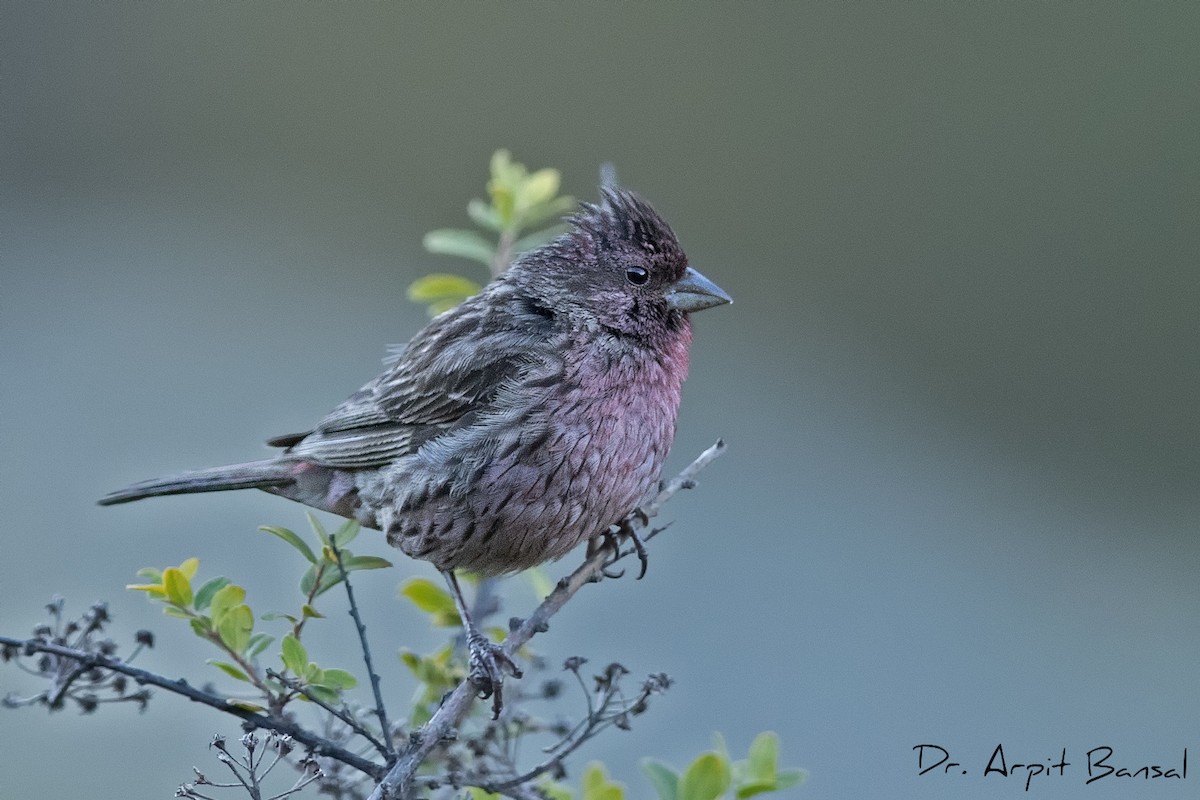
(959,382)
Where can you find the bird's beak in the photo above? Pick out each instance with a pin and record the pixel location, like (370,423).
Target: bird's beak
(694,292)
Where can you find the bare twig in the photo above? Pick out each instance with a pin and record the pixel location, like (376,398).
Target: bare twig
(613,709)
(398,784)
(317,744)
(341,714)
(389,748)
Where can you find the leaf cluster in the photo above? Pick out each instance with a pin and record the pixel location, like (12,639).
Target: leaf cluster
(713,774)
(518,216)
(218,613)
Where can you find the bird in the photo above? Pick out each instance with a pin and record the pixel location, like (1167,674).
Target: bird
(527,419)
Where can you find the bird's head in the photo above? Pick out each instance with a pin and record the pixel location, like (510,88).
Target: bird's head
(621,265)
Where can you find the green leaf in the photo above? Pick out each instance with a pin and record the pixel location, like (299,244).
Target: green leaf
(789,778)
(245,705)
(258,643)
(454,242)
(229,669)
(662,777)
(503,200)
(318,528)
(345,533)
(235,626)
(293,539)
(295,657)
(434,670)
(178,613)
(755,788)
(554,791)
(539,188)
(475,793)
(323,693)
(152,590)
(597,787)
(339,679)
(763,761)
(274,615)
(440,288)
(150,574)
(310,613)
(365,562)
(554,210)
(189,567)
(177,585)
(706,778)
(226,598)
(484,215)
(206,592)
(201,626)
(500,163)
(542,587)
(309,580)
(432,599)
(330,578)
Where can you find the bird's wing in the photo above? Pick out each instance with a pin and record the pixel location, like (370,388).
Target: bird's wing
(454,367)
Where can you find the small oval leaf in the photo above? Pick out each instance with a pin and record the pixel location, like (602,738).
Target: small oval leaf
(458,242)
(227,597)
(295,657)
(662,778)
(706,778)
(205,593)
(339,679)
(365,562)
(292,538)
(235,627)
(229,669)
(178,586)
(763,760)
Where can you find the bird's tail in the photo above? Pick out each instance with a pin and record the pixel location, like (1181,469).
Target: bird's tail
(252,475)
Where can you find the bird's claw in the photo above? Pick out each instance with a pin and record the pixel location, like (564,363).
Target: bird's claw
(625,528)
(488,662)
(611,539)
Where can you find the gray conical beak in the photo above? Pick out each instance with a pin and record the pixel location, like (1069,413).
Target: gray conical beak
(694,292)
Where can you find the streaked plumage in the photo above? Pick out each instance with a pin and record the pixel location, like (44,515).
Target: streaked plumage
(518,424)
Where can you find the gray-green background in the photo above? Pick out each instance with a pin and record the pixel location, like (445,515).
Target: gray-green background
(959,381)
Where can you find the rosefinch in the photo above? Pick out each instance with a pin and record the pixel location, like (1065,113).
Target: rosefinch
(525,420)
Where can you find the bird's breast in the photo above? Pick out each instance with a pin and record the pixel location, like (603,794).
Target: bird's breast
(571,447)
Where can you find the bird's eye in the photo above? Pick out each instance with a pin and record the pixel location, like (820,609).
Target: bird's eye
(637,275)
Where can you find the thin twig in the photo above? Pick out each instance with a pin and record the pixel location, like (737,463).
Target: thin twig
(398,783)
(389,747)
(317,744)
(595,723)
(341,714)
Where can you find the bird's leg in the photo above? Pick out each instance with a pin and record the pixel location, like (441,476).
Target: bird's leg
(611,538)
(487,660)
(625,528)
(606,540)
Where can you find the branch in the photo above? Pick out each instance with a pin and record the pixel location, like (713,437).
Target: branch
(398,783)
(389,748)
(317,744)
(597,720)
(341,714)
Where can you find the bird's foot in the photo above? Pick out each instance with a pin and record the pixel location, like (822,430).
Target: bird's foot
(611,539)
(488,662)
